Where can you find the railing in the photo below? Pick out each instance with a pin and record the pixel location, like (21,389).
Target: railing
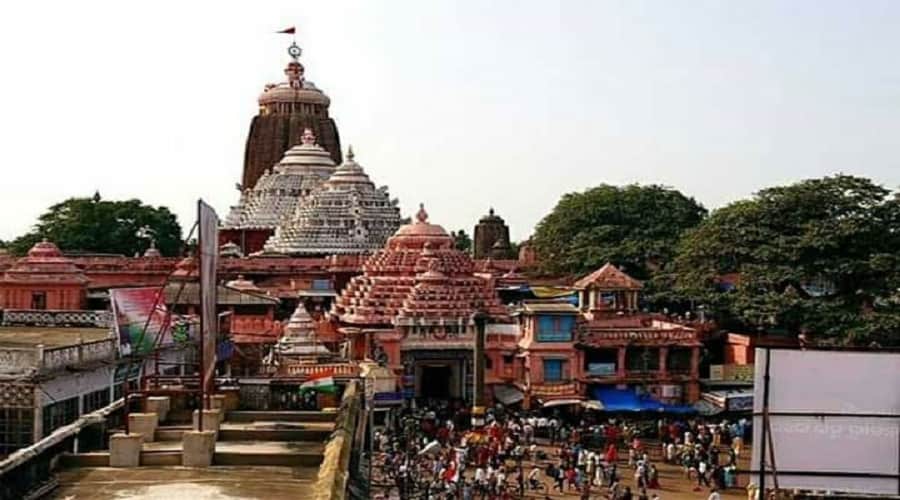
(87,352)
(99,319)
(28,473)
(24,360)
(336,369)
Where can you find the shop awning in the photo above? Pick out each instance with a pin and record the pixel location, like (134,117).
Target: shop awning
(627,400)
(560,402)
(593,405)
(706,408)
(508,394)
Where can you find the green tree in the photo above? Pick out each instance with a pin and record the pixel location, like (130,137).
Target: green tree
(818,256)
(635,227)
(97,225)
(461,240)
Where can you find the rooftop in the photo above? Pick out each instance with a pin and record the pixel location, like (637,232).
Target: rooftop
(29,336)
(609,277)
(549,307)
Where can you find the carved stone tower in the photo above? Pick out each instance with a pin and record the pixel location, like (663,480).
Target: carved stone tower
(286,109)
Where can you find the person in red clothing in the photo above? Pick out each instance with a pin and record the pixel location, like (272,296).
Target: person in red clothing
(612,454)
(570,477)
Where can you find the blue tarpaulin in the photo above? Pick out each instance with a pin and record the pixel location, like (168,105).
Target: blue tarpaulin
(627,400)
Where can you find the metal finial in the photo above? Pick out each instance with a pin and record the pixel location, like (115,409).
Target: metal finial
(350,154)
(295,51)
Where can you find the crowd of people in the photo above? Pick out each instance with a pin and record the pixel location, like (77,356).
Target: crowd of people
(433,453)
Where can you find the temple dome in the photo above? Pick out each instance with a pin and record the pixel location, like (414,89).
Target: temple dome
(346,214)
(276,194)
(419,233)
(306,158)
(295,89)
(44,250)
(349,172)
(419,277)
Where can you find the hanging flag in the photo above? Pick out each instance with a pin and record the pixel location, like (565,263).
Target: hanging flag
(323,382)
(288,31)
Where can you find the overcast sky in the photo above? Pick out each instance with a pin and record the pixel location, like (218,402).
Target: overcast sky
(462,105)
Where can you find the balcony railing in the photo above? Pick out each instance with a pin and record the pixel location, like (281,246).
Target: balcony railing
(98,319)
(38,359)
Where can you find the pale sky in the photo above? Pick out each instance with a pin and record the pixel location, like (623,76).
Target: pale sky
(462,105)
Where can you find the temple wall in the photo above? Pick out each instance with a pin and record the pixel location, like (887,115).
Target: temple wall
(59,297)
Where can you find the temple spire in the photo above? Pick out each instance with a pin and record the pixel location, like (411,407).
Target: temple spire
(350,154)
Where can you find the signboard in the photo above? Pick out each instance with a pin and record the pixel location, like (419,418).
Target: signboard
(208,248)
(601,369)
(141,319)
(740,403)
(834,418)
(731,373)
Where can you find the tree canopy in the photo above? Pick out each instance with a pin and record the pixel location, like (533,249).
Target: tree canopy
(819,256)
(461,240)
(96,225)
(635,227)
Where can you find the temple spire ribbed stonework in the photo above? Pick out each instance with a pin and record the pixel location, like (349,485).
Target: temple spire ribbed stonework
(286,109)
(346,214)
(275,196)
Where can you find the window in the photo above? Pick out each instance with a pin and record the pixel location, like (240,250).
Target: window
(95,400)
(39,300)
(555,328)
(644,360)
(59,414)
(555,370)
(679,360)
(16,428)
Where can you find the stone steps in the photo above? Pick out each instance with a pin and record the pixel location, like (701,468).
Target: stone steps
(261,453)
(280,416)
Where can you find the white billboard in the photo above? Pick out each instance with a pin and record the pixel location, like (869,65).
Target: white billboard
(834,418)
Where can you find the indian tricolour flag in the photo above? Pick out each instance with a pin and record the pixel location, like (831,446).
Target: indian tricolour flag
(323,382)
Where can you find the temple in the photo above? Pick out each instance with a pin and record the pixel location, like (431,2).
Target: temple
(276,195)
(490,238)
(286,110)
(317,276)
(412,310)
(347,214)
(44,279)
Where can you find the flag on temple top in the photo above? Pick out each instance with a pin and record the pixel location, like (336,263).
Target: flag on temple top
(323,382)
(288,31)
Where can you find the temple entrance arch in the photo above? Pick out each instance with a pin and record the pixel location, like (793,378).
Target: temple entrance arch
(440,374)
(436,382)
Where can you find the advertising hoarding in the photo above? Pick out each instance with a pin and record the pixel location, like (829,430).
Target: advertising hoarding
(834,418)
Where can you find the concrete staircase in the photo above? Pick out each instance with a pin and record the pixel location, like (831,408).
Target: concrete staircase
(246,438)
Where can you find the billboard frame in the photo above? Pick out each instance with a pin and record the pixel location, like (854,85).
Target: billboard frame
(766,434)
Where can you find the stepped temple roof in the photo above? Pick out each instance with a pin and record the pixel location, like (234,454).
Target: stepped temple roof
(418,278)
(276,194)
(345,214)
(299,337)
(45,264)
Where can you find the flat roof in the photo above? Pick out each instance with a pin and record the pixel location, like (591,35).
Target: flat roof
(30,336)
